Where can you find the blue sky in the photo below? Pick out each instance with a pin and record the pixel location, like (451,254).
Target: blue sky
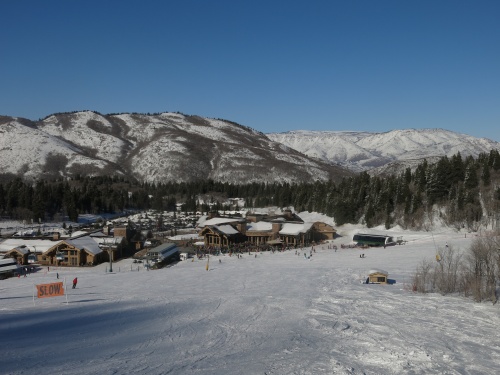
(271,65)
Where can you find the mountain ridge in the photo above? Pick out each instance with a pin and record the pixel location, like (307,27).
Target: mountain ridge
(376,152)
(171,146)
(152,148)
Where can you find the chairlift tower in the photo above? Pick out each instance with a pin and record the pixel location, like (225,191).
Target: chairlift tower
(110,248)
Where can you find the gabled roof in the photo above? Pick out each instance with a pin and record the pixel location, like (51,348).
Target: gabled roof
(86,243)
(22,250)
(41,245)
(226,230)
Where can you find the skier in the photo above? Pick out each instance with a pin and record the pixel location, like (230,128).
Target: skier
(75,280)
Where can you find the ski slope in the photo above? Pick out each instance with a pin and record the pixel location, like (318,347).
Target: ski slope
(277,313)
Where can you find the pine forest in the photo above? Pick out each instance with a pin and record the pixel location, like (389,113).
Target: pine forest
(462,192)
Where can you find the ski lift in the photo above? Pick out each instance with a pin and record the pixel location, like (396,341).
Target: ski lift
(32,258)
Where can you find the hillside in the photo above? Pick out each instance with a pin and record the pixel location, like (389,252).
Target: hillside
(383,152)
(152,148)
(169,147)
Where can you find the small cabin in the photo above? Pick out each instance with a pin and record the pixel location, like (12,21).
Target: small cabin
(373,239)
(377,277)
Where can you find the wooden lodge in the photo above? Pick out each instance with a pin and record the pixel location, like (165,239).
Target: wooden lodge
(285,230)
(80,250)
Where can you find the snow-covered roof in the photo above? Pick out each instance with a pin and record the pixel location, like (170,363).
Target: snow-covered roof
(87,243)
(259,226)
(99,234)
(375,270)
(293,229)
(38,245)
(219,220)
(78,233)
(23,249)
(227,229)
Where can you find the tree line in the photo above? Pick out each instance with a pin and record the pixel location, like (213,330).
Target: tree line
(462,192)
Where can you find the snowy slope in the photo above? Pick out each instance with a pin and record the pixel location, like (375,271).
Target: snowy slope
(177,147)
(25,149)
(360,151)
(88,130)
(157,148)
(271,314)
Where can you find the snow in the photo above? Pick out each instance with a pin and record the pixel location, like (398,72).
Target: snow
(88,243)
(295,229)
(217,221)
(276,313)
(362,151)
(35,245)
(259,226)
(227,229)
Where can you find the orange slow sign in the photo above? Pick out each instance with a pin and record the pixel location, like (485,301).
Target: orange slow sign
(50,290)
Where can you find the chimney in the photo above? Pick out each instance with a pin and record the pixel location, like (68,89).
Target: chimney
(276,227)
(242,227)
(56,236)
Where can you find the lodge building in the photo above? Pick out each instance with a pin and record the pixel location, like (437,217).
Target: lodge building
(257,229)
(79,250)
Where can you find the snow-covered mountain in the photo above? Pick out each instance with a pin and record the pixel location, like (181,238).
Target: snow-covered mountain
(176,147)
(152,148)
(383,152)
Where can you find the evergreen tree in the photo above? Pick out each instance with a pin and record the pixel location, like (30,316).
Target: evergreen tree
(457,171)
(471,180)
(485,174)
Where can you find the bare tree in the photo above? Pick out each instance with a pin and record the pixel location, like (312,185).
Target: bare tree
(484,268)
(422,278)
(446,272)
